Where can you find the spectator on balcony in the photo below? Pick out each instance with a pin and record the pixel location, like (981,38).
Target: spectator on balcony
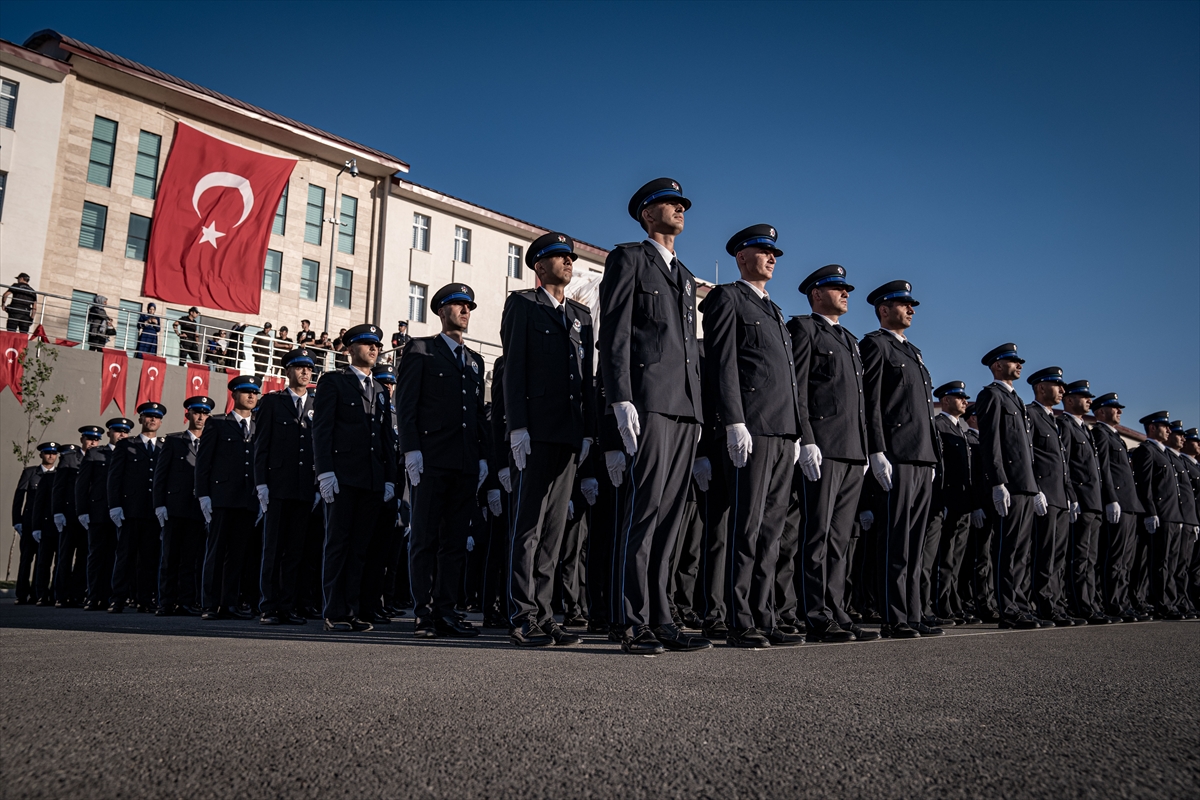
(215,351)
(188,331)
(340,348)
(283,343)
(261,345)
(148,326)
(400,337)
(99,324)
(20,303)
(306,335)
(237,346)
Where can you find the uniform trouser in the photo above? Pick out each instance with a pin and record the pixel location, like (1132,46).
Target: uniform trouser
(29,550)
(1049,551)
(442,504)
(570,569)
(758,494)
(1187,544)
(47,555)
(493,590)
(902,542)
(1012,539)
(1194,574)
(787,574)
(712,512)
(980,580)
(181,562)
(686,571)
(830,506)
(349,525)
(1163,551)
(135,569)
(70,578)
(229,535)
(102,552)
(309,591)
(601,554)
(651,516)
(375,567)
(956,534)
(285,533)
(1083,553)
(542,491)
(863,573)
(1119,548)
(930,572)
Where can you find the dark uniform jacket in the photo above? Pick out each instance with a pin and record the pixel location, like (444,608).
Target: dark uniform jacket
(23,497)
(748,363)
(1050,458)
(1083,463)
(283,446)
(352,434)
(954,490)
(91,487)
(62,501)
(1193,470)
(42,518)
(1187,494)
(548,368)
(829,388)
(981,491)
(224,463)
(898,389)
(1116,470)
(648,351)
(1157,484)
(497,424)
(131,477)
(1005,441)
(439,406)
(175,477)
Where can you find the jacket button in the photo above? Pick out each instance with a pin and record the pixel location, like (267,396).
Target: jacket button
(464,424)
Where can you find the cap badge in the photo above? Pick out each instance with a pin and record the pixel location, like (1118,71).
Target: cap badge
(462,289)
(907,288)
(562,239)
(675,186)
(772,230)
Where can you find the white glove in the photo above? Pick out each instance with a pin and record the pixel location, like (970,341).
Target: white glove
(796,453)
(702,472)
(37,536)
(84,519)
(117,515)
(882,469)
(810,462)
(1001,499)
(614,460)
(1040,506)
(493,498)
(978,518)
(505,476)
(206,509)
(470,543)
(584,449)
(329,486)
(628,424)
(865,520)
(570,509)
(1151,524)
(17,528)
(1112,512)
(739,443)
(1074,511)
(389,490)
(263,497)
(316,499)
(590,487)
(60,521)
(518,442)
(414,465)
(483,471)
(161,513)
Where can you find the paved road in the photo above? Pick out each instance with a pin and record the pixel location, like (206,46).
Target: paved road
(96,706)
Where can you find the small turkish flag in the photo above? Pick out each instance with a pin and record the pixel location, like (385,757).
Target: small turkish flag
(12,371)
(212,222)
(197,379)
(112,379)
(273,383)
(150,387)
(232,373)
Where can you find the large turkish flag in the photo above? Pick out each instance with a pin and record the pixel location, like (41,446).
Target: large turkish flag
(112,379)
(212,222)
(150,386)
(12,371)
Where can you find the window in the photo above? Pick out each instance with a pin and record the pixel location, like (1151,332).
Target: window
(416,302)
(314,214)
(145,173)
(343,282)
(346,229)
(272,271)
(310,274)
(128,312)
(77,321)
(8,103)
(104,145)
(462,244)
(420,232)
(514,261)
(139,235)
(3,186)
(91,231)
(280,215)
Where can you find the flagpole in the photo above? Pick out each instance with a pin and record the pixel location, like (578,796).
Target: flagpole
(335,222)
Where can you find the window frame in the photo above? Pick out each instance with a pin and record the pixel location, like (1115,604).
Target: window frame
(319,226)
(130,238)
(515,266)
(11,120)
(419,292)
(421,232)
(97,142)
(462,244)
(348,225)
(144,136)
(339,291)
(102,228)
(315,280)
(278,273)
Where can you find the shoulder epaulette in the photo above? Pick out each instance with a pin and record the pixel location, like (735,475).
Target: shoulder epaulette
(579,305)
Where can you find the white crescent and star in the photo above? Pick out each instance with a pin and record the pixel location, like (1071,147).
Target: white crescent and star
(152,372)
(116,367)
(196,382)
(230,180)
(15,354)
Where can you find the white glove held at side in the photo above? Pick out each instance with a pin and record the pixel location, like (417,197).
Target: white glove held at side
(264,496)
(1001,499)
(739,443)
(1112,513)
(117,515)
(702,472)
(810,462)
(1151,524)
(206,509)
(389,490)
(60,521)
(414,465)
(161,513)
(590,487)
(978,518)
(84,519)
(628,424)
(519,444)
(483,473)
(584,449)
(1040,506)
(882,469)
(328,484)
(865,520)
(614,460)
(494,504)
(505,476)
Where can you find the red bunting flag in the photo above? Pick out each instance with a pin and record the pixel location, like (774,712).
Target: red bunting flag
(212,222)
(232,373)
(12,371)
(154,372)
(197,379)
(112,379)
(273,383)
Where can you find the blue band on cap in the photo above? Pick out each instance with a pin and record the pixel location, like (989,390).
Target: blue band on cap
(151,412)
(457,296)
(241,387)
(1080,390)
(385,377)
(1157,420)
(1045,378)
(892,296)
(300,361)
(557,247)
(370,336)
(662,193)
(1008,354)
(830,279)
(755,241)
(118,427)
(1112,402)
(93,435)
(962,392)
(205,406)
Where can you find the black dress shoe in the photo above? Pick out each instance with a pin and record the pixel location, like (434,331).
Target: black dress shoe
(43,603)
(692,620)
(790,626)
(424,629)
(291,618)
(116,608)
(716,629)
(778,638)
(862,634)
(575,621)
(1062,621)
(899,631)
(270,619)
(829,632)
(641,642)
(164,611)
(598,626)
(672,638)
(937,622)
(496,621)
(237,613)
(617,633)
(376,618)
(988,616)
(560,637)
(750,639)
(338,626)
(308,612)
(1025,622)
(1098,619)
(530,634)
(211,614)
(454,627)
(926,629)
(1047,623)
(360,625)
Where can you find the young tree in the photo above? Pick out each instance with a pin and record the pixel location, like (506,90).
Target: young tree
(40,411)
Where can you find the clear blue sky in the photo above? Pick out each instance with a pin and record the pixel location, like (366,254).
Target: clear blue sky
(1032,168)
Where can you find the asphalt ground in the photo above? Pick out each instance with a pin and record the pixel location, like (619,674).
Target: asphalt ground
(98,706)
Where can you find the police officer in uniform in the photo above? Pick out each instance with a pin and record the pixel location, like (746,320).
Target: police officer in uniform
(380,547)
(356,472)
(953,502)
(178,512)
(1191,451)
(444,438)
(1122,506)
(977,576)
(131,509)
(1187,508)
(548,347)
(285,482)
(228,501)
(1162,520)
(70,576)
(23,520)
(91,503)
(44,531)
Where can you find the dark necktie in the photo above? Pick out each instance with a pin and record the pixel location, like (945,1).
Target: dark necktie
(150,446)
(458,356)
(299,406)
(245,423)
